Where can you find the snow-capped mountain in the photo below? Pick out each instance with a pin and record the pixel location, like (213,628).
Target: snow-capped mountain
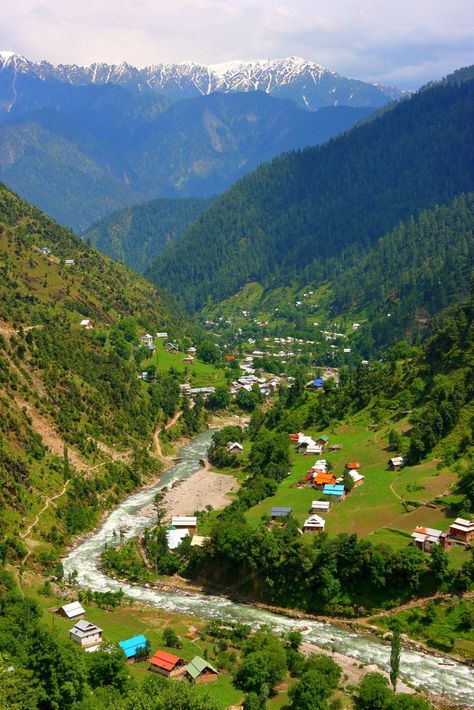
(309,84)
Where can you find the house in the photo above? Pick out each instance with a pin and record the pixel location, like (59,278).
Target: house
(462,529)
(200,671)
(69,262)
(86,634)
(322,441)
(314,524)
(162,336)
(233,447)
(322,479)
(147,339)
(72,611)
(357,477)
(171,348)
(336,491)
(188,359)
(189,522)
(395,463)
(45,250)
(203,391)
(279,512)
(191,350)
(132,646)
(175,537)
(166,664)
(185,389)
(426,538)
(321,505)
(318,383)
(335,447)
(353,466)
(86,323)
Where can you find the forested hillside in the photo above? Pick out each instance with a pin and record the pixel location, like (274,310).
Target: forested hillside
(136,235)
(289,218)
(77,421)
(422,266)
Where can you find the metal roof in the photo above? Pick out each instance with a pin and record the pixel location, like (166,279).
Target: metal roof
(197,666)
(165,660)
(73,609)
(279,512)
(132,645)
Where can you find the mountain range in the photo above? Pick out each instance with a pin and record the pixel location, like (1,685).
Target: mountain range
(307,83)
(80,147)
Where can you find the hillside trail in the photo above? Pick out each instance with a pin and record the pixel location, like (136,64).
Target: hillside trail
(423,601)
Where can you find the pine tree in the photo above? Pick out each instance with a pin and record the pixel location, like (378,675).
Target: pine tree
(395,659)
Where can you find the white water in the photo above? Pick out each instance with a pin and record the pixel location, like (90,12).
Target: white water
(454,681)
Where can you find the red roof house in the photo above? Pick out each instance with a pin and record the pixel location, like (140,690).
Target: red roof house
(354,465)
(166,664)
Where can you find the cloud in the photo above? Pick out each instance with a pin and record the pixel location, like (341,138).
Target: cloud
(403,42)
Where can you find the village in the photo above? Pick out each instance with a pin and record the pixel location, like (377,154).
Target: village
(137,649)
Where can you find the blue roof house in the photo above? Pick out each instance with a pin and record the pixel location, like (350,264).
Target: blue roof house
(130,647)
(334,490)
(279,512)
(318,383)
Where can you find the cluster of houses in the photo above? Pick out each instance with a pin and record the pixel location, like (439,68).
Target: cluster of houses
(322,479)
(89,637)
(460,531)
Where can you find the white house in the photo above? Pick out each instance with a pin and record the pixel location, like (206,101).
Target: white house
(87,635)
(86,323)
(163,335)
(72,611)
(314,524)
(147,339)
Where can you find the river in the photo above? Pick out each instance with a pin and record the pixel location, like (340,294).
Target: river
(455,681)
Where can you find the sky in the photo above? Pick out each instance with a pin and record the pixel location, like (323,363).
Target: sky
(402,42)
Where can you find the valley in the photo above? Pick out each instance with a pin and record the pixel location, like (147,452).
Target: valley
(237,413)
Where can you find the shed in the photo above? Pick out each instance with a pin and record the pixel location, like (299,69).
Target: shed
(314,524)
(86,323)
(335,447)
(184,521)
(161,335)
(201,671)
(166,664)
(69,262)
(395,463)
(353,465)
(280,512)
(321,505)
(131,646)
(336,491)
(86,634)
(72,611)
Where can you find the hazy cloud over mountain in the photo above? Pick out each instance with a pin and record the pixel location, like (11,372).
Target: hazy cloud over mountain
(403,42)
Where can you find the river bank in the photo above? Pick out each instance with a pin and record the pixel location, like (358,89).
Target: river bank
(418,669)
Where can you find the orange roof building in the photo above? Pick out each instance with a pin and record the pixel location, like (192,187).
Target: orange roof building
(322,478)
(353,465)
(166,664)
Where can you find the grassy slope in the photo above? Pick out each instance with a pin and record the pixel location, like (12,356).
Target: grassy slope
(198,374)
(372,508)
